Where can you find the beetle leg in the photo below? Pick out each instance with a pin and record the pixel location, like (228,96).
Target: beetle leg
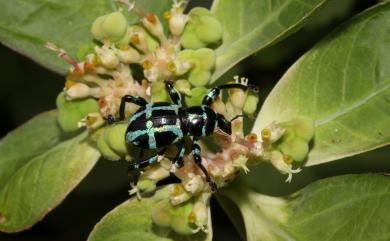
(178,160)
(175,96)
(138,100)
(141,164)
(198,160)
(214,92)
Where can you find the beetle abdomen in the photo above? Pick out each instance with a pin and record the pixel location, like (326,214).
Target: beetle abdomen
(155,125)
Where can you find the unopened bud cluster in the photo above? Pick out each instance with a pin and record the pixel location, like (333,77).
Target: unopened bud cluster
(105,73)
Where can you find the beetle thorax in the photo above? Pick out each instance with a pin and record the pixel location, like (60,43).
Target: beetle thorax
(198,121)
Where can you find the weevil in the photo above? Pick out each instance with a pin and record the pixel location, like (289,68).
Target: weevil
(160,124)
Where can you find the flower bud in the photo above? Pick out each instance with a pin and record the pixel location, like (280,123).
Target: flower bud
(92,121)
(177,22)
(237,97)
(159,92)
(208,30)
(197,95)
(194,184)
(206,58)
(251,103)
(146,185)
(199,77)
(71,112)
(189,39)
(115,138)
(111,27)
(179,194)
(296,148)
(77,91)
(128,56)
(202,29)
(162,213)
(180,223)
(183,86)
(304,127)
(84,50)
(176,217)
(107,57)
(104,148)
(199,214)
(153,24)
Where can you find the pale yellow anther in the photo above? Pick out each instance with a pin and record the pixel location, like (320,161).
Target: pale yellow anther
(124,47)
(167,15)
(135,39)
(192,217)
(287,159)
(147,64)
(265,134)
(96,60)
(171,67)
(178,189)
(90,120)
(69,83)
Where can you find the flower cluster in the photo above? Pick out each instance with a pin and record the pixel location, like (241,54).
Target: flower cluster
(107,71)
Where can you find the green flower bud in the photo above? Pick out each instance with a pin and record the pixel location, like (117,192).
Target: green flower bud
(146,185)
(111,27)
(128,56)
(199,77)
(159,92)
(114,136)
(104,148)
(199,11)
(180,220)
(296,148)
(176,217)
(162,213)
(183,86)
(202,29)
(202,60)
(209,30)
(71,112)
(304,127)
(84,50)
(206,58)
(251,103)
(190,40)
(196,97)
(142,40)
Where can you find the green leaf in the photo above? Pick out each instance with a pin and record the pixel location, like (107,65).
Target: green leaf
(132,220)
(252,25)
(351,207)
(26,26)
(343,84)
(26,142)
(44,174)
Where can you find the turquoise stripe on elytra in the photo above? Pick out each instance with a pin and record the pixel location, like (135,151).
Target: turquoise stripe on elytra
(149,108)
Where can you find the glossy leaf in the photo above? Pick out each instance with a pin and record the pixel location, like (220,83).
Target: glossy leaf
(252,25)
(39,184)
(26,26)
(132,220)
(351,207)
(343,83)
(26,142)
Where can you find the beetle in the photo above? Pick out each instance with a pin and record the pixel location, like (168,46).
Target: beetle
(160,124)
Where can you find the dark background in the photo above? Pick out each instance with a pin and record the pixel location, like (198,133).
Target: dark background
(27,89)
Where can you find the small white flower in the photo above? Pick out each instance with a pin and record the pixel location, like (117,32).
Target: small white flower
(279,163)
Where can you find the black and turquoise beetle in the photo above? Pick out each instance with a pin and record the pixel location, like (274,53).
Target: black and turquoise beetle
(158,125)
